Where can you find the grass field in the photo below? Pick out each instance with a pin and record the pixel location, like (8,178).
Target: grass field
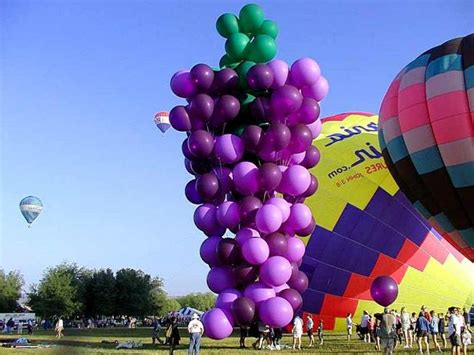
(88,341)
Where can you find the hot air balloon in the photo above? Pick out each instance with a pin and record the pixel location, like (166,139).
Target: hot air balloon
(162,121)
(367,228)
(427,137)
(31,208)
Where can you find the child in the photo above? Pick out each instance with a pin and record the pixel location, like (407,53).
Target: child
(466,339)
(320,332)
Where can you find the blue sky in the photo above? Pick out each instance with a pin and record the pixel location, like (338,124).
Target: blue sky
(81,81)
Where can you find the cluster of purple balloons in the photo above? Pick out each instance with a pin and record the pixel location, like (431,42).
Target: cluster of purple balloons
(251,179)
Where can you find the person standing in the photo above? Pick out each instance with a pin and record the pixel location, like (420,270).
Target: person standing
(349,326)
(297,332)
(244,332)
(10,325)
(454,330)
(407,332)
(172,332)
(434,329)
(19,329)
(59,328)
(30,327)
(441,330)
(364,327)
(467,317)
(309,327)
(320,332)
(388,331)
(422,331)
(196,330)
(466,337)
(155,335)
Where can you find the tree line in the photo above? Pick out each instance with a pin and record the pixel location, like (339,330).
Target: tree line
(69,291)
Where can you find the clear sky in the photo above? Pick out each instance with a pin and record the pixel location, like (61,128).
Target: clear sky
(82,79)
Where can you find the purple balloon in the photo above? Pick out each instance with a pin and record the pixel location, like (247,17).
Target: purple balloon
(260,108)
(182,85)
(202,107)
(293,297)
(307,230)
(226,298)
(318,90)
(277,243)
(191,193)
(186,152)
(187,165)
(197,124)
(280,71)
(255,251)
(315,128)
(268,218)
(179,119)
(245,274)
(384,290)
(217,324)
(283,205)
(311,157)
(275,271)
(286,100)
(226,109)
(243,309)
(251,137)
(229,148)
(307,113)
(225,180)
(208,251)
(228,214)
(246,178)
(205,218)
(291,158)
(312,187)
(207,186)
(276,312)
(296,249)
(260,77)
(244,234)
(277,137)
(228,251)
(225,81)
(249,206)
(296,180)
(305,72)
(200,166)
(294,269)
(301,138)
(300,216)
(280,288)
(220,278)
(269,176)
(259,292)
(201,143)
(202,76)
(299,283)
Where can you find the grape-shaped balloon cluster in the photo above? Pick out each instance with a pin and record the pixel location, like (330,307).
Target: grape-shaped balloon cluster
(249,147)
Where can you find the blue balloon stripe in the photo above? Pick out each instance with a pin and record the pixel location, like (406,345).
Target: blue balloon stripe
(444,64)
(462,175)
(397,149)
(421,61)
(469,77)
(468,236)
(427,160)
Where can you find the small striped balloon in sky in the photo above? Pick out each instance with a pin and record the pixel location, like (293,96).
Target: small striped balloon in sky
(31,208)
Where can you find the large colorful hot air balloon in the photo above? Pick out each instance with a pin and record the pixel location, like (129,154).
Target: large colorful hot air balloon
(31,208)
(427,137)
(367,228)
(162,121)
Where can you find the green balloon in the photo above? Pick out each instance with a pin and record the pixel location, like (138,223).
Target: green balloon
(246,99)
(262,49)
(227,24)
(236,46)
(227,62)
(240,129)
(242,71)
(251,18)
(269,28)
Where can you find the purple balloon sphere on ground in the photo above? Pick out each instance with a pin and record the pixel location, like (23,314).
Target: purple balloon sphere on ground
(229,148)
(259,292)
(226,298)
(384,290)
(276,312)
(220,278)
(208,251)
(305,72)
(243,309)
(255,251)
(217,324)
(275,271)
(293,297)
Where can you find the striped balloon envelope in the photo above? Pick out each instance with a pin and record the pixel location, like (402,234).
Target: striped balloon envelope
(30,208)
(366,228)
(162,121)
(427,137)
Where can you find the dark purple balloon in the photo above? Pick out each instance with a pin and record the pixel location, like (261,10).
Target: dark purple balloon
(186,152)
(225,81)
(208,251)
(225,180)
(260,108)
(243,310)
(179,119)
(202,76)
(207,186)
(312,187)
(251,138)
(269,176)
(384,290)
(299,283)
(249,206)
(307,230)
(228,251)
(311,157)
(260,77)
(294,270)
(202,107)
(278,244)
(277,137)
(307,113)
(226,109)
(245,274)
(201,143)
(293,297)
(301,138)
(200,166)
(286,100)
(187,165)
(191,193)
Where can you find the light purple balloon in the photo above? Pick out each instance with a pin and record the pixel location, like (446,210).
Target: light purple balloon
(280,71)
(220,278)
(318,90)
(182,85)
(291,158)
(259,292)
(296,180)
(283,205)
(205,218)
(244,234)
(269,219)
(275,271)
(217,324)
(276,312)
(305,72)
(245,176)
(300,216)
(228,214)
(226,297)
(255,251)
(281,288)
(296,249)
(315,128)
(208,251)
(229,148)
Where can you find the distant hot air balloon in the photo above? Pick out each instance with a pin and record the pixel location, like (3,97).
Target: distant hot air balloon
(427,137)
(367,228)
(162,121)
(31,208)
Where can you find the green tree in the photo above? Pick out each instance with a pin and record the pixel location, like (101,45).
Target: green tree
(200,301)
(99,293)
(10,290)
(132,289)
(160,303)
(58,292)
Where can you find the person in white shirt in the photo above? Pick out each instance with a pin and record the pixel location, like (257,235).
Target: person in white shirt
(349,326)
(59,328)
(364,327)
(196,330)
(297,332)
(454,330)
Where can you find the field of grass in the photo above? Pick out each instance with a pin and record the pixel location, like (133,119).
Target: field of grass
(88,341)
